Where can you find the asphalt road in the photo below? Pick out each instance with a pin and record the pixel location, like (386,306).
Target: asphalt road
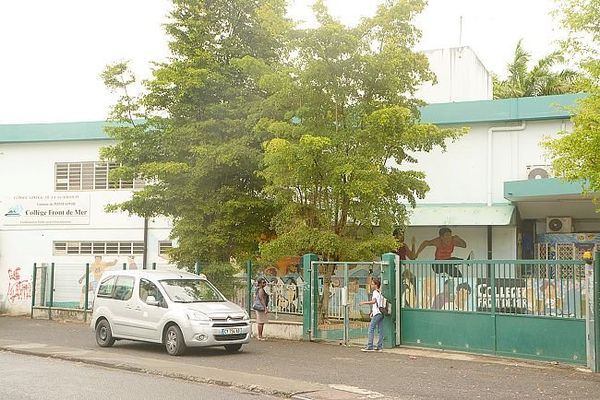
(402,373)
(29,377)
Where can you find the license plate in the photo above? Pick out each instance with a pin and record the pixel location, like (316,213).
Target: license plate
(231,331)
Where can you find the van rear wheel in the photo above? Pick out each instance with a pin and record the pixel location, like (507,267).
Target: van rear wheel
(174,342)
(104,336)
(232,348)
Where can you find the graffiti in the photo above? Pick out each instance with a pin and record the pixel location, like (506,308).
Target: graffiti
(18,289)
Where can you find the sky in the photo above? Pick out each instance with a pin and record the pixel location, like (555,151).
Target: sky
(53,52)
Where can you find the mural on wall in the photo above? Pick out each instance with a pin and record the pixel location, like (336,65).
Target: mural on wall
(96,270)
(19,290)
(561,297)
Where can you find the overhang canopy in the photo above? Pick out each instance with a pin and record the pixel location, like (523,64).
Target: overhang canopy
(462,215)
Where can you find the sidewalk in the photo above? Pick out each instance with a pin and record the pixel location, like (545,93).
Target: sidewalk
(312,370)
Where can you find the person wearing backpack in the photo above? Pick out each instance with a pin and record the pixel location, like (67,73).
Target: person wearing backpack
(261,306)
(376,316)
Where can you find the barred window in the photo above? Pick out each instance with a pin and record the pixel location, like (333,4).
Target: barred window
(97,248)
(163,247)
(89,175)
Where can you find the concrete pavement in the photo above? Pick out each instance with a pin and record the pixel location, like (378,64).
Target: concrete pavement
(312,370)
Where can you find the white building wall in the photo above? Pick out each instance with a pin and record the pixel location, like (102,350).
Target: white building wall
(461,76)
(28,169)
(460,174)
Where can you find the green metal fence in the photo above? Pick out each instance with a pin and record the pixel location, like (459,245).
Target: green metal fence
(525,308)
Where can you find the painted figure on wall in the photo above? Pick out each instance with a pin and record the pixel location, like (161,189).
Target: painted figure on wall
(18,289)
(444,246)
(461,300)
(96,270)
(131,264)
(403,251)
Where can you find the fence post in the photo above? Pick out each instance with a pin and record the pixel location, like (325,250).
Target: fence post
(51,290)
(388,286)
(309,304)
(197,268)
(33,288)
(592,313)
(492,271)
(87,288)
(249,298)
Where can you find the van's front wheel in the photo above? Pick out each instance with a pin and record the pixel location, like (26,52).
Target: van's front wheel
(104,336)
(174,342)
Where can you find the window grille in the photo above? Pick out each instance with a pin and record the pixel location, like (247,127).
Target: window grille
(97,248)
(89,175)
(164,246)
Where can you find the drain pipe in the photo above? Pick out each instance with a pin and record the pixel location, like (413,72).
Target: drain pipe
(490,146)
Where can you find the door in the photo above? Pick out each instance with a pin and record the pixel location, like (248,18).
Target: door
(146,318)
(121,307)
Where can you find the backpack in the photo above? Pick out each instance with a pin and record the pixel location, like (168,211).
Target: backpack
(384,306)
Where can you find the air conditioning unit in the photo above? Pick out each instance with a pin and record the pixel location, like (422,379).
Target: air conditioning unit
(559,225)
(539,171)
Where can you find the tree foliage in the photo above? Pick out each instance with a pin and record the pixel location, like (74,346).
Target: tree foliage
(540,80)
(344,123)
(576,154)
(190,134)
(256,130)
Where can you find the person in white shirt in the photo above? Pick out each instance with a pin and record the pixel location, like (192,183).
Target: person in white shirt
(376,316)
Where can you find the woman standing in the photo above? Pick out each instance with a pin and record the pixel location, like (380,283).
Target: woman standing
(261,303)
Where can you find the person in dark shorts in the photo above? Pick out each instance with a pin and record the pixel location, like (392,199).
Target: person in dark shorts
(444,246)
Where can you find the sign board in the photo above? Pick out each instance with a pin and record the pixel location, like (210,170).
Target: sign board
(49,209)
(511,295)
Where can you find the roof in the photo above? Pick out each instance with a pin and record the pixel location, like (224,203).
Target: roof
(502,110)
(466,112)
(154,274)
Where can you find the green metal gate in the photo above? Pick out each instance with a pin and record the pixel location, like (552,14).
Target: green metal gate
(519,308)
(332,295)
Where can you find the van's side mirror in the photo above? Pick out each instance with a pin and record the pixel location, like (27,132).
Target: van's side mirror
(151,301)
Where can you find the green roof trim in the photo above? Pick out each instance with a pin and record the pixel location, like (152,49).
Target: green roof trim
(519,109)
(462,215)
(465,113)
(66,131)
(534,189)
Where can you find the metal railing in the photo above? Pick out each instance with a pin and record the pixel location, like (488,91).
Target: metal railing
(553,288)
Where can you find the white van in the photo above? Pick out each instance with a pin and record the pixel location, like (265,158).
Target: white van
(175,308)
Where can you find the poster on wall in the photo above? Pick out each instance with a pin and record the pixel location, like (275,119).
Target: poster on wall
(49,209)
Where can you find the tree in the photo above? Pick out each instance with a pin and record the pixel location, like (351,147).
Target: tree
(190,134)
(347,123)
(541,80)
(576,155)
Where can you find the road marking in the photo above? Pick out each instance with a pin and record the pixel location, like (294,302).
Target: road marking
(364,393)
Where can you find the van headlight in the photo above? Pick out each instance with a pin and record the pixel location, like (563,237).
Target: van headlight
(194,315)
(246,315)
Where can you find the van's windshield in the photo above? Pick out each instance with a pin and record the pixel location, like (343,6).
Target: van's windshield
(190,290)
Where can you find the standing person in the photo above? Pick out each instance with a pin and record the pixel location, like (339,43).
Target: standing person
(261,303)
(403,251)
(444,246)
(376,316)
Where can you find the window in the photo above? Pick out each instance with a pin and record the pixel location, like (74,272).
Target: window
(148,288)
(62,248)
(106,287)
(124,288)
(163,248)
(89,175)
